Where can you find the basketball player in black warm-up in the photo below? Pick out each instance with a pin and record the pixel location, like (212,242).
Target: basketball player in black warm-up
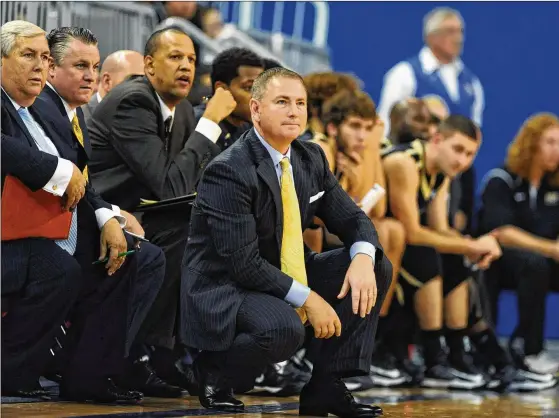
(418,176)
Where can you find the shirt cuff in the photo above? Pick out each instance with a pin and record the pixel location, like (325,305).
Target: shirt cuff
(104,215)
(363,247)
(116,210)
(298,294)
(209,129)
(61,178)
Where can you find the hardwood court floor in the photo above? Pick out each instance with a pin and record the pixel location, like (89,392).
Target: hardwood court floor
(414,403)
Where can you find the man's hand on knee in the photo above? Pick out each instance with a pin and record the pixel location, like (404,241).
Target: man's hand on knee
(361,279)
(322,317)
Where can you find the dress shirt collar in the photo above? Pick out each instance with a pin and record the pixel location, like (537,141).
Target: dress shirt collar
(274,153)
(69,111)
(430,63)
(165,111)
(12,100)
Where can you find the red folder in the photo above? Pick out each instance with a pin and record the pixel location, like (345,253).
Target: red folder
(27,214)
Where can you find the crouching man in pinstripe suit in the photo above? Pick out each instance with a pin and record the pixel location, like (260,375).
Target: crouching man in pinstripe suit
(251,285)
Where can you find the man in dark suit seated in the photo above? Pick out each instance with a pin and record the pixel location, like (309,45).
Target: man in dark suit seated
(116,68)
(74,62)
(146,145)
(235,70)
(35,147)
(251,285)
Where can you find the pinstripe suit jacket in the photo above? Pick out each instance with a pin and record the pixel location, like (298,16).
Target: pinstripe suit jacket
(236,229)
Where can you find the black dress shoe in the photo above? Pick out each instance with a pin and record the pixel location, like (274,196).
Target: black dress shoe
(34,391)
(173,371)
(321,397)
(141,377)
(214,394)
(102,391)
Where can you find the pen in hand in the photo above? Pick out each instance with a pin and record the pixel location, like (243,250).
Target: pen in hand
(119,255)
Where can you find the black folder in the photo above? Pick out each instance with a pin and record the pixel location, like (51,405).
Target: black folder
(176,203)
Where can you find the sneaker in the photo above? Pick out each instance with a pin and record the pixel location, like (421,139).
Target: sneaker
(542,363)
(279,380)
(385,371)
(462,364)
(441,376)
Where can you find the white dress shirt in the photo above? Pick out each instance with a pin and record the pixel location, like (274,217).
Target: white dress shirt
(400,84)
(298,293)
(206,127)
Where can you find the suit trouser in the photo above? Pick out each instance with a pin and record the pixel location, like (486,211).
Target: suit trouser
(169,231)
(109,310)
(36,299)
(532,276)
(269,330)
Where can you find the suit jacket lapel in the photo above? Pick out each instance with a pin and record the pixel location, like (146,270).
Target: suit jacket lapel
(301,179)
(267,172)
(60,105)
(50,130)
(177,137)
(6,102)
(86,142)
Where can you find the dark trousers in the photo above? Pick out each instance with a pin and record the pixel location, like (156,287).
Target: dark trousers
(269,330)
(110,309)
(532,276)
(169,231)
(40,283)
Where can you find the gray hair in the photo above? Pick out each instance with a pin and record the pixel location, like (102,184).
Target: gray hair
(261,82)
(433,20)
(10,31)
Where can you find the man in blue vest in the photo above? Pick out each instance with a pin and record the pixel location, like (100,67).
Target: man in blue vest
(436,71)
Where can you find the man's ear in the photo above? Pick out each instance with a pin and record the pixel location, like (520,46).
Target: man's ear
(254,109)
(331,130)
(52,66)
(437,138)
(106,81)
(149,65)
(220,84)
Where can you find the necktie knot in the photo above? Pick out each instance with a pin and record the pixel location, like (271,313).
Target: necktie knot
(75,121)
(284,163)
(24,113)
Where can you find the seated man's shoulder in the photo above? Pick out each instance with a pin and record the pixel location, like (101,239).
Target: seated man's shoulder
(137,91)
(236,157)
(501,176)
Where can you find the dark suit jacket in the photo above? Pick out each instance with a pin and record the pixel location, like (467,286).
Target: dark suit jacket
(131,159)
(89,108)
(22,159)
(46,104)
(236,231)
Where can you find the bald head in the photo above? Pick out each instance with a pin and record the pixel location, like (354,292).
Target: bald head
(409,119)
(117,67)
